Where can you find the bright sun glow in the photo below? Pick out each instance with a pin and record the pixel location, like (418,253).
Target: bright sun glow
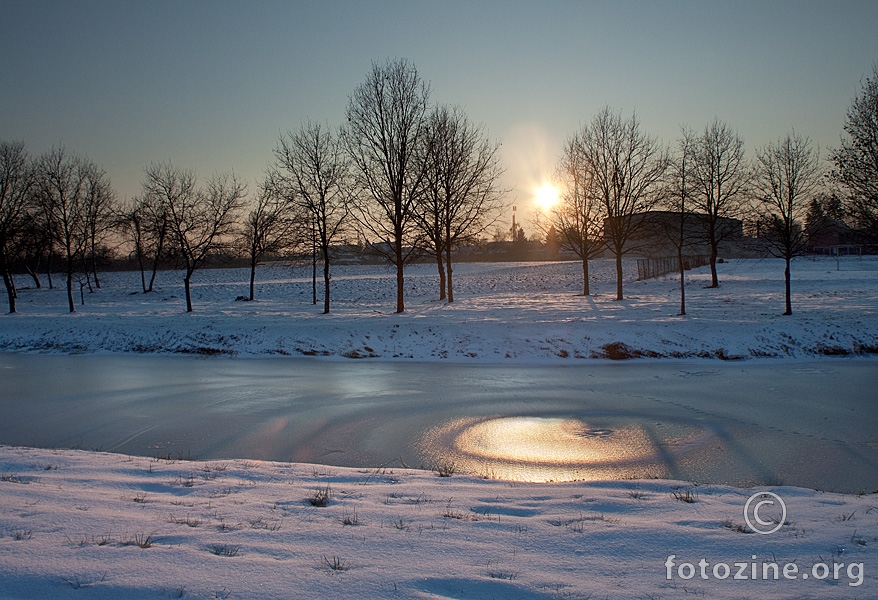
(546,196)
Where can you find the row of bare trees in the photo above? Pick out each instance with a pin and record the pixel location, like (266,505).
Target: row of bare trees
(611,174)
(614,174)
(427,179)
(402,176)
(57,205)
(405,177)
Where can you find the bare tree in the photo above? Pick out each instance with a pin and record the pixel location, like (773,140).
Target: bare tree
(787,179)
(270,227)
(462,195)
(856,161)
(315,167)
(719,177)
(576,217)
(16,185)
(100,212)
(199,220)
(626,168)
(65,182)
(130,223)
(145,223)
(385,137)
(677,196)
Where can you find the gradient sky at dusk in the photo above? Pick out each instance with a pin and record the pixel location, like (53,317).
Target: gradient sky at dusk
(211,85)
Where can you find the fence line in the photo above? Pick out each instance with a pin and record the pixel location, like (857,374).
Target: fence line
(649,268)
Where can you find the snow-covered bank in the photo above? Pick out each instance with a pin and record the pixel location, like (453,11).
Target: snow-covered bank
(515,312)
(113,526)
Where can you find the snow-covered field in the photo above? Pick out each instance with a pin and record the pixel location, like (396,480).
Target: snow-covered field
(84,524)
(503,312)
(90,525)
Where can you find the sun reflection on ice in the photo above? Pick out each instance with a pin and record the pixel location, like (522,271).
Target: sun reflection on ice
(542,449)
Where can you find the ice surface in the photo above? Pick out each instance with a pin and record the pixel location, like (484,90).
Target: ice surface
(812,424)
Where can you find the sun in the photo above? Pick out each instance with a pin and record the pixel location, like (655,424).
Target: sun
(546,196)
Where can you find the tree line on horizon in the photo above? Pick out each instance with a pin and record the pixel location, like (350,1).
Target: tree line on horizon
(407,178)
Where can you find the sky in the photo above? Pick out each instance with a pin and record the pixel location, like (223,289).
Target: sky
(211,86)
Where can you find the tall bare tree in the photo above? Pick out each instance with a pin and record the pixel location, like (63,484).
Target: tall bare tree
(100,211)
(680,230)
(270,227)
(787,178)
(16,184)
(856,161)
(145,223)
(677,232)
(201,220)
(576,217)
(385,136)
(462,194)
(65,182)
(130,223)
(315,167)
(626,167)
(719,176)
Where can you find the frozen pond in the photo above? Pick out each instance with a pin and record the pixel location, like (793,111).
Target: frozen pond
(791,423)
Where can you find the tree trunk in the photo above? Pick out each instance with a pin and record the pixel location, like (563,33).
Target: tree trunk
(314,278)
(252,276)
(326,278)
(714,279)
(34,276)
(400,278)
(324,252)
(585,290)
(618,275)
(400,282)
(70,302)
(441,267)
(313,263)
(448,281)
(157,257)
(94,269)
(155,268)
(682,281)
(49,271)
(188,295)
(10,289)
(139,253)
(786,276)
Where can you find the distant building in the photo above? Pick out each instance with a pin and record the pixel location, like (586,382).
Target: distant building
(657,234)
(829,234)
